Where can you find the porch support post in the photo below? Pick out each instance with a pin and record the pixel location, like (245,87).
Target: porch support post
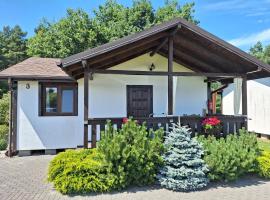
(170,77)
(10,118)
(86,91)
(209,98)
(244,97)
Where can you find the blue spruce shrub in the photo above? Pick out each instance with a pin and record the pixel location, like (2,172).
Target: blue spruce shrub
(184,168)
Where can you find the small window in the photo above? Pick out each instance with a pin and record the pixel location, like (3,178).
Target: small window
(67,100)
(51,100)
(58,99)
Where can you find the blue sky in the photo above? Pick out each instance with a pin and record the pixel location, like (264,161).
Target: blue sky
(241,22)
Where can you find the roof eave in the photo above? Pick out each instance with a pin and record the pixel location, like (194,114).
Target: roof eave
(121,44)
(205,34)
(36,78)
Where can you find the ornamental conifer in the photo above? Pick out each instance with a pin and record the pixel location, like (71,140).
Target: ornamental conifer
(184,169)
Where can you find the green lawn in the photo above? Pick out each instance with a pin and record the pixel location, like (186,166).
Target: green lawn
(264,144)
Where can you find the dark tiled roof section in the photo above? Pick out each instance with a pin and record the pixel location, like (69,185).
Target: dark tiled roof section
(36,68)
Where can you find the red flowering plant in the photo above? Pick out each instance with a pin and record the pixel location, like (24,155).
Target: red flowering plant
(212,126)
(125,120)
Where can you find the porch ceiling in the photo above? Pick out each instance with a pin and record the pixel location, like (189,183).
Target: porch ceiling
(194,48)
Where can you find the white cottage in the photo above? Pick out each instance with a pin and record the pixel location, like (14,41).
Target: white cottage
(258,104)
(160,75)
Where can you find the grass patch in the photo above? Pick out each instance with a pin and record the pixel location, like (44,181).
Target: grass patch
(264,144)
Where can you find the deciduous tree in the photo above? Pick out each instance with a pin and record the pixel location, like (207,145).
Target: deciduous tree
(72,34)
(260,52)
(77,31)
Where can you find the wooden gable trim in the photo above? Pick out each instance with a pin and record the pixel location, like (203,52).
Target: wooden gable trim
(164,73)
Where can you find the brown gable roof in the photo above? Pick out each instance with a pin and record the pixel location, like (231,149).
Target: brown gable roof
(194,48)
(36,68)
(119,43)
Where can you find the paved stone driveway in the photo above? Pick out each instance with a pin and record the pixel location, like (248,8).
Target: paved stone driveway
(25,178)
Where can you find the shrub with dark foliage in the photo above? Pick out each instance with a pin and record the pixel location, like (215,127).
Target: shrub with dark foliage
(231,157)
(133,153)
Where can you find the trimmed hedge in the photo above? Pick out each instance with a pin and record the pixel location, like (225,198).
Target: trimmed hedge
(4,109)
(264,164)
(3,137)
(231,157)
(4,120)
(80,171)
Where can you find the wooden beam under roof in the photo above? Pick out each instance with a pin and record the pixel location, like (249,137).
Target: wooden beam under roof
(227,58)
(114,53)
(159,47)
(180,62)
(194,62)
(202,53)
(165,73)
(115,61)
(165,40)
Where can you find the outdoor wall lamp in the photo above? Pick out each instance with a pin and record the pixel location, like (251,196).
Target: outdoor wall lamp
(152,67)
(27,86)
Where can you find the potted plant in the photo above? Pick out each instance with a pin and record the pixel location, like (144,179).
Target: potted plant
(212,126)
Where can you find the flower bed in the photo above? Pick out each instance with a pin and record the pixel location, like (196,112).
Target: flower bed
(134,155)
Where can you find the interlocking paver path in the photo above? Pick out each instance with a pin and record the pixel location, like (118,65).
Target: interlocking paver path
(25,178)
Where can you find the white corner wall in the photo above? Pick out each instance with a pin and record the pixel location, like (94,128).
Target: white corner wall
(45,132)
(107,98)
(258,99)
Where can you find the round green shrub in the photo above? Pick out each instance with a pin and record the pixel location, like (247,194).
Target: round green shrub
(4,109)
(80,171)
(230,157)
(3,137)
(3,144)
(264,164)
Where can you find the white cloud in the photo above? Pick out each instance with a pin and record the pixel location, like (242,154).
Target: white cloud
(249,8)
(226,5)
(263,36)
(255,14)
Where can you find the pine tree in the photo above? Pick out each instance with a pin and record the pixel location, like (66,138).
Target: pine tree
(184,168)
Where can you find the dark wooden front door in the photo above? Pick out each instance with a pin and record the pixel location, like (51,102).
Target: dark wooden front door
(139,100)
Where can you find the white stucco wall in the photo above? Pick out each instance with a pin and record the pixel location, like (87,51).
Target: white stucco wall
(107,95)
(107,98)
(258,100)
(45,132)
